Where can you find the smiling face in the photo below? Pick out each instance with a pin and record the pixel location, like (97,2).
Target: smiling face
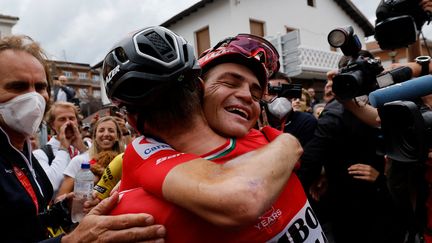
(231,99)
(106,135)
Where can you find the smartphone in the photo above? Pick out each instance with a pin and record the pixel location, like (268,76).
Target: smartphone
(114,110)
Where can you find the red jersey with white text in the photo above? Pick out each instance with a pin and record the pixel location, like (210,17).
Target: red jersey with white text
(147,162)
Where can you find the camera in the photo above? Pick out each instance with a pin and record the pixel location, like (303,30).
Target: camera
(362,74)
(357,78)
(114,110)
(405,121)
(286,90)
(407,130)
(57,215)
(398,23)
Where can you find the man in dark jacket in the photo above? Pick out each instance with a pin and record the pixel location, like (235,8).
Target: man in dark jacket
(25,190)
(281,115)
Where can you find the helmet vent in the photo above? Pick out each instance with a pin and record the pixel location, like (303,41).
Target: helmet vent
(121,55)
(160,44)
(185,50)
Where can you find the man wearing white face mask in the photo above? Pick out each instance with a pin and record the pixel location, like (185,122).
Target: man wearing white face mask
(25,189)
(281,115)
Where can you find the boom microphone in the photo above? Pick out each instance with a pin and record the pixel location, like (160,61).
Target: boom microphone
(407,90)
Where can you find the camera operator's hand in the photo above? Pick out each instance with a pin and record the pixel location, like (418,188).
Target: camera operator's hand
(415,67)
(363,172)
(57,83)
(122,123)
(98,227)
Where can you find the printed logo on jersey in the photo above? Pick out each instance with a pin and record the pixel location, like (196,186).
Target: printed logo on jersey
(160,160)
(146,147)
(269,218)
(303,227)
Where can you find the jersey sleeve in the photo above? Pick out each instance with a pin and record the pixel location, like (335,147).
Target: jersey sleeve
(146,163)
(270,133)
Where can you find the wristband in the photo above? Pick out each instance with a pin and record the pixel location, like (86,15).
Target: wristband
(423,61)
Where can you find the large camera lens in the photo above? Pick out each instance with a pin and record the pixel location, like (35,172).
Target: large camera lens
(347,85)
(337,38)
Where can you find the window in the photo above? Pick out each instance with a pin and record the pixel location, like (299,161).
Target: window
(289,29)
(82,75)
(83,92)
(202,40)
(95,78)
(256,28)
(311,3)
(67,74)
(96,93)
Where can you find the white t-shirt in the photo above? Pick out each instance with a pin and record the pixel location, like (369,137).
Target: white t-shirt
(75,164)
(61,95)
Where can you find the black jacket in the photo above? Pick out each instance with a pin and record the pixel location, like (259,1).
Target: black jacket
(18,212)
(360,210)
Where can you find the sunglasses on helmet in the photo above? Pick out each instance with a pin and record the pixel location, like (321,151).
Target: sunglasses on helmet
(250,46)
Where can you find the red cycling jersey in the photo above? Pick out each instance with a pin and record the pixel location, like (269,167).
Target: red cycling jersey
(147,162)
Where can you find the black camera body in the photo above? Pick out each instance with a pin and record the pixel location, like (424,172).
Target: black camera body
(286,90)
(58,215)
(398,23)
(363,73)
(407,129)
(357,78)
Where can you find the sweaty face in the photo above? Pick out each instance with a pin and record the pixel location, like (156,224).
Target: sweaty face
(231,99)
(106,135)
(20,73)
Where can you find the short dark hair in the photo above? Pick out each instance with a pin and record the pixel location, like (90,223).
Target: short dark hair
(173,104)
(345,59)
(280,75)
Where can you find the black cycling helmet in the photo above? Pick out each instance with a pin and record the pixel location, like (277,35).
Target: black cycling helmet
(144,60)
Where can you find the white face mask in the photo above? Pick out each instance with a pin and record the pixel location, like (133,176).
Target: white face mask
(279,107)
(24,113)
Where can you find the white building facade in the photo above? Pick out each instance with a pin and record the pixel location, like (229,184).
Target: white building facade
(6,24)
(305,50)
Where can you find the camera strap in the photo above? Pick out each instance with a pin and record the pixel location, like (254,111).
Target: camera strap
(25,182)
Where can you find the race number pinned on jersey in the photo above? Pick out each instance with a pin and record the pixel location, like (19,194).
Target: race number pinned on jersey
(146,147)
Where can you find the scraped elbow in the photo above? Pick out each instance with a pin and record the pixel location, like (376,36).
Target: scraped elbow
(245,209)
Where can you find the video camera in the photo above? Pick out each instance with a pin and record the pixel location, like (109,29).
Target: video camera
(362,74)
(398,23)
(405,121)
(407,129)
(286,90)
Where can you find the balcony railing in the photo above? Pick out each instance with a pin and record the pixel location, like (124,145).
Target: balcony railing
(301,61)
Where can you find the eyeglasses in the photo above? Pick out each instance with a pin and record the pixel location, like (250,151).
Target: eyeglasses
(250,46)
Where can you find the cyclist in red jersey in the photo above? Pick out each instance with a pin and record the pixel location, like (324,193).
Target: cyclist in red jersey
(155,166)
